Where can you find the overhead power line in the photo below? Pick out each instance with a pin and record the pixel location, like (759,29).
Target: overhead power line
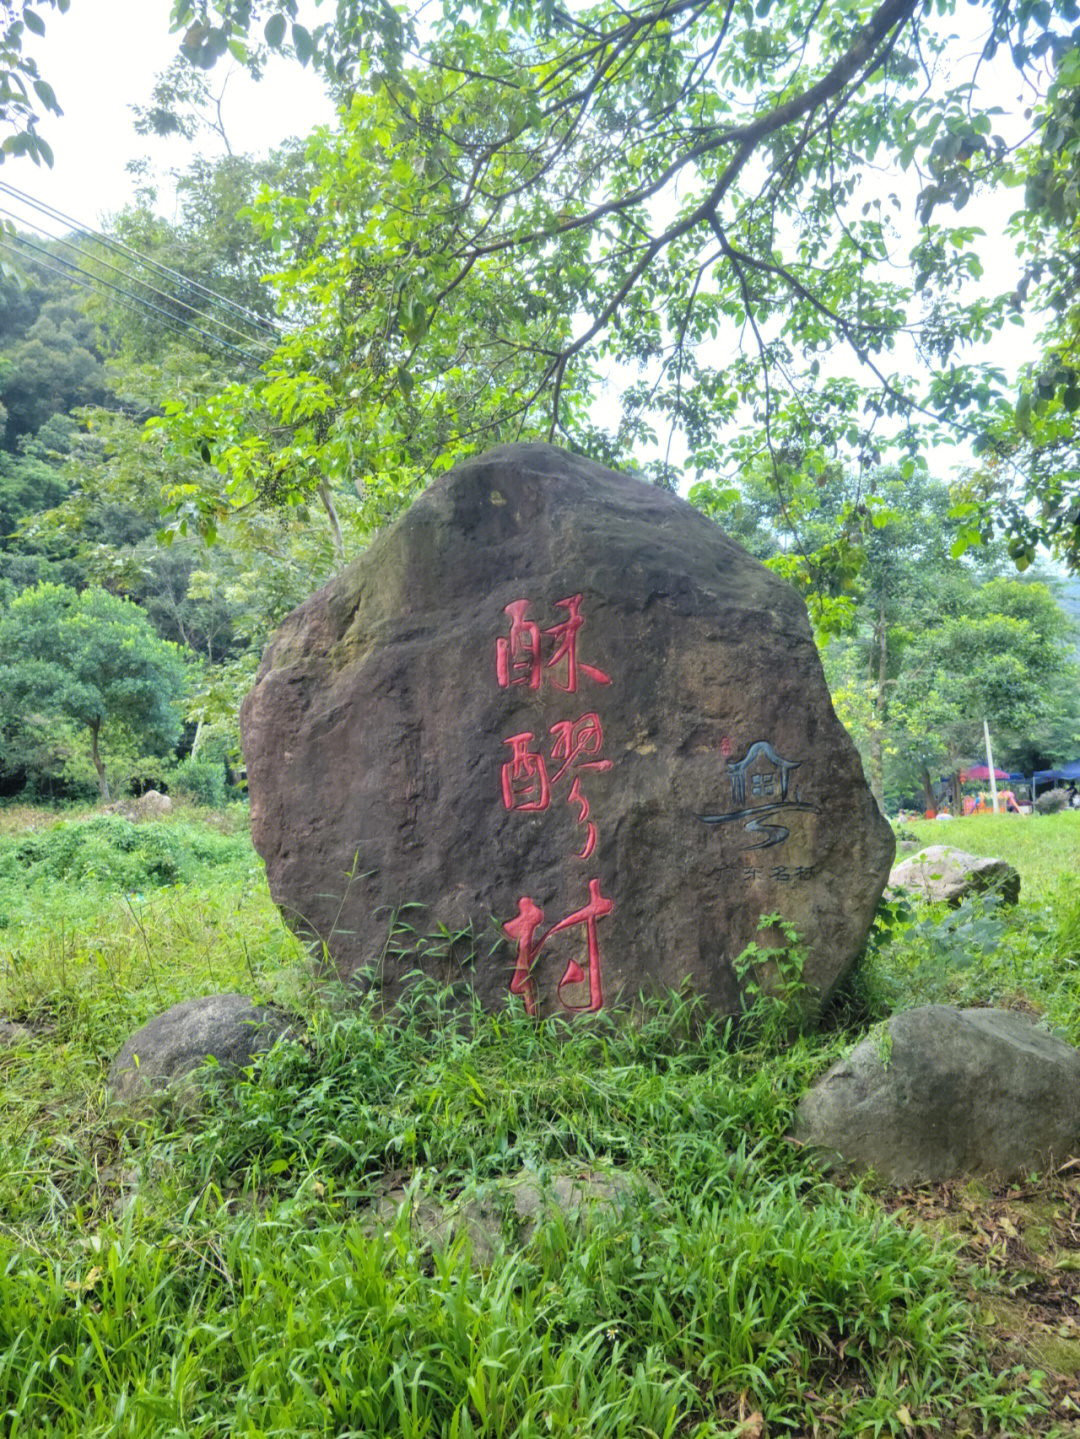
(69,270)
(164,295)
(110,242)
(129,301)
(184,305)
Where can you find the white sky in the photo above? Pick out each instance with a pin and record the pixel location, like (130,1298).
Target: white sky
(103,56)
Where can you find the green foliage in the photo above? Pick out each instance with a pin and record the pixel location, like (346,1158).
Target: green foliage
(51,368)
(200,778)
(224,1264)
(91,659)
(23,91)
(115,854)
(776,1001)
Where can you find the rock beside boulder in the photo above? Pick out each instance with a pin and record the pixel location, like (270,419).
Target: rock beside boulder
(940,1092)
(508,1210)
(150,805)
(12,1034)
(230,1028)
(942,873)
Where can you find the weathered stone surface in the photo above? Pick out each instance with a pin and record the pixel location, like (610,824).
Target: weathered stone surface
(229,1027)
(12,1034)
(150,805)
(940,1092)
(506,1212)
(942,873)
(533,606)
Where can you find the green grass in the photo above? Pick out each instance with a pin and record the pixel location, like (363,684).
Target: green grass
(1043,848)
(985,953)
(217,1273)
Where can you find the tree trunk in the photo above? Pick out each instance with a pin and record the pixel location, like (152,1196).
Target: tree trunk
(198,738)
(335,524)
(928,790)
(95,754)
(877,766)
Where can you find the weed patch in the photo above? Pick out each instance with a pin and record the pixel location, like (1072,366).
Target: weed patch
(220,1275)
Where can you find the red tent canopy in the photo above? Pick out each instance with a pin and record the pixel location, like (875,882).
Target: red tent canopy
(980,772)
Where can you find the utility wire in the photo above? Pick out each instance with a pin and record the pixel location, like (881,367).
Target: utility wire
(69,266)
(59,217)
(210,319)
(135,304)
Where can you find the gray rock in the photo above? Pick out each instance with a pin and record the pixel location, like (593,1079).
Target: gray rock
(558,709)
(939,1092)
(150,805)
(12,1034)
(942,873)
(228,1027)
(507,1211)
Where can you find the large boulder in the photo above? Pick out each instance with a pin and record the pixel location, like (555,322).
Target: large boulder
(229,1028)
(944,874)
(940,1092)
(554,717)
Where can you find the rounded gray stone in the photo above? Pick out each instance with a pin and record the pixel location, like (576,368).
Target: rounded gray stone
(230,1028)
(939,1092)
(943,874)
(505,1212)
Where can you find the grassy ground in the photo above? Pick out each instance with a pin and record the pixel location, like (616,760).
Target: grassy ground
(217,1272)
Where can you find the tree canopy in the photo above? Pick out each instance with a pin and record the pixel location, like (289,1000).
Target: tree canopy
(705,192)
(91,658)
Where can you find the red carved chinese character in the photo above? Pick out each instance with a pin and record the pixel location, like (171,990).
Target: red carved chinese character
(524,929)
(565,636)
(574,739)
(584,736)
(525,781)
(524,776)
(518,659)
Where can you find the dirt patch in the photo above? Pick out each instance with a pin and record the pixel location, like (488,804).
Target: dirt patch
(1020,1245)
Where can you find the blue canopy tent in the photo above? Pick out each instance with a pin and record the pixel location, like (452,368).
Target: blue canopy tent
(1067,772)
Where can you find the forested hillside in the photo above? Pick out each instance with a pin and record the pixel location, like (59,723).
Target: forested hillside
(92,498)
(204,416)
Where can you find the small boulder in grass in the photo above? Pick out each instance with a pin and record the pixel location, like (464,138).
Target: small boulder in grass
(229,1028)
(939,1092)
(12,1034)
(944,874)
(148,806)
(509,1209)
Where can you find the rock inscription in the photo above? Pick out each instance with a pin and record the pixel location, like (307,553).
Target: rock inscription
(555,737)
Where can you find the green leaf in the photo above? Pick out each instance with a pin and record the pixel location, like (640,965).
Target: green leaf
(34,23)
(302,44)
(274,31)
(44,91)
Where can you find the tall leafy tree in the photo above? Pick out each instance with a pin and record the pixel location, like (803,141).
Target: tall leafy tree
(92,659)
(687,186)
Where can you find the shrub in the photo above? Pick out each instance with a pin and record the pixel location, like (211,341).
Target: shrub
(1052,801)
(201,780)
(113,852)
